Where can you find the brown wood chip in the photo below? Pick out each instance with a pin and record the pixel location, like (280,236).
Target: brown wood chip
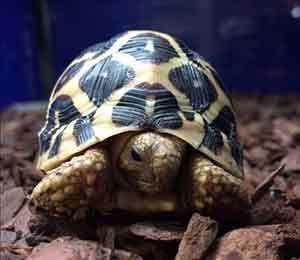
(10,203)
(200,234)
(157,231)
(72,248)
(257,243)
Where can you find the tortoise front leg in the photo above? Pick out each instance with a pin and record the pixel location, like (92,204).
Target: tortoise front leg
(73,186)
(212,187)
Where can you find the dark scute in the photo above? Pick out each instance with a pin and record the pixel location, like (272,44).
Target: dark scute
(128,117)
(103,78)
(56,145)
(192,55)
(62,110)
(163,50)
(165,101)
(213,139)
(166,110)
(225,122)
(44,140)
(98,49)
(135,98)
(83,130)
(68,74)
(190,116)
(195,57)
(195,85)
(236,151)
(169,120)
(236,147)
(130,110)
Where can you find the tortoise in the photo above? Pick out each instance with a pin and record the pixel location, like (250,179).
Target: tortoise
(141,124)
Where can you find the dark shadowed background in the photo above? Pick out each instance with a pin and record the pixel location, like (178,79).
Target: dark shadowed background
(254,45)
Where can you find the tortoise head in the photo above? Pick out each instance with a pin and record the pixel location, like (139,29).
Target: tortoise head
(150,162)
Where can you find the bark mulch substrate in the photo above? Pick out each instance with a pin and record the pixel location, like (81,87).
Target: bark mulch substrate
(270,130)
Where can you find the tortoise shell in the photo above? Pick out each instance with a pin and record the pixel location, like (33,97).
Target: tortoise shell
(140,80)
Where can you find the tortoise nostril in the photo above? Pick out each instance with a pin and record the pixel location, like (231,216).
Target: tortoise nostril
(135,155)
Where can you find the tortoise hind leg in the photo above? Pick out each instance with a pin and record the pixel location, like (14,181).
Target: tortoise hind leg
(70,188)
(212,187)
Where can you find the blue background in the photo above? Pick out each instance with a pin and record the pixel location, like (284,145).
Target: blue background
(254,45)
(19,79)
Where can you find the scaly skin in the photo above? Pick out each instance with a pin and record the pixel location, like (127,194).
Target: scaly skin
(70,188)
(155,164)
(86,181)
(211,185)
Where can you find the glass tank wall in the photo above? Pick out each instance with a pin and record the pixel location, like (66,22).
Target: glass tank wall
(254,45)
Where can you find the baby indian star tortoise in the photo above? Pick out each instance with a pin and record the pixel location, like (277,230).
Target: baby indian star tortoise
(140,124)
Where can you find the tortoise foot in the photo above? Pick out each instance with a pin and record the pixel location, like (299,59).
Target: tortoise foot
(70,188)
(212,186)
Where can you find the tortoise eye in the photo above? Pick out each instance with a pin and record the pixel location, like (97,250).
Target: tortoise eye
(135,155)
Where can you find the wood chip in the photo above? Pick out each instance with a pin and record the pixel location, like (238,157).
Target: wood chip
(72,248)
(158,231)
(266,183)
(262,242)
(10,203)
(200,234)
